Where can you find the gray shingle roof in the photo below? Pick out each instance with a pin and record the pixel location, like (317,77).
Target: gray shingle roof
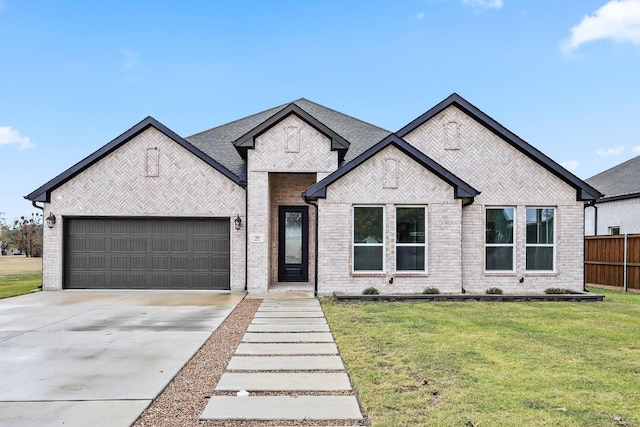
(218,142)
(620,180)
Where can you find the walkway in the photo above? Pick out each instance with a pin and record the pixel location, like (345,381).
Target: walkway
(286,368)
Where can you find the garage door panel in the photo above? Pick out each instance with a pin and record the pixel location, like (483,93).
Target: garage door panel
(140,253)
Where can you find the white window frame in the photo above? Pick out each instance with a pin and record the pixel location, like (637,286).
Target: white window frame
(379,244)
(542,245)
(500,245)
(425,244)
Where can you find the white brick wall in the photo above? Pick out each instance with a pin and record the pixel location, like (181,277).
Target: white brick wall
(117,185)
(617,213)
(365,185)
(271,158)
(506,177)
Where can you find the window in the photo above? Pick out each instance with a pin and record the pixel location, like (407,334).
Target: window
(614,231)
(499,244)
(368,238)
(410,239)
(540,239)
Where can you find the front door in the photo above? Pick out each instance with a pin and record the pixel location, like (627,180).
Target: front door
(293,244)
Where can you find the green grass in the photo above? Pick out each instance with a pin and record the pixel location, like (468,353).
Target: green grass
(493,364)
(17,284)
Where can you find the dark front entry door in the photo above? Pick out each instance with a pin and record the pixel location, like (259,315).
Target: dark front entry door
(293,244)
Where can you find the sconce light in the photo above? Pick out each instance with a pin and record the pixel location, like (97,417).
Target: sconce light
(51,220)
(237,222)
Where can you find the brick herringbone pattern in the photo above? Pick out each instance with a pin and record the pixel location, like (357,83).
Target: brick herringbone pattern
(118,185)
(272,154)
(502,173)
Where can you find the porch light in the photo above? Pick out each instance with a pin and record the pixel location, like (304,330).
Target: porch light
(237,222)
(51,220)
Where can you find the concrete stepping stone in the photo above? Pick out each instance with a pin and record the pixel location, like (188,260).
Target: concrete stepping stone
(285,363)
(289,321)
(280,349)
(288,328)
(285,314)
(290,308)
(287,337)
(284,381)
(282,408)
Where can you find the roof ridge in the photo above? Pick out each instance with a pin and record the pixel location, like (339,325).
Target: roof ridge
(341,113)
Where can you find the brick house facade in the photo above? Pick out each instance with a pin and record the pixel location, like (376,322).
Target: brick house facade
(301,197)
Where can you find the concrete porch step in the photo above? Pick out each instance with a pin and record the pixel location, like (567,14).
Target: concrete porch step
(286,314)
(289,321)
(282,408)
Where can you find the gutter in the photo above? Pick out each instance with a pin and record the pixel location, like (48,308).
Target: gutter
(315,245)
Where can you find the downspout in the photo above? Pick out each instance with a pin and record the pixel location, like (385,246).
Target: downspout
(315,261)
(465,203)
(33,203)
(590,203)
(246,238)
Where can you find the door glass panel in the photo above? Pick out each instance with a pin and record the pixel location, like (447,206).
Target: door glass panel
(293,237)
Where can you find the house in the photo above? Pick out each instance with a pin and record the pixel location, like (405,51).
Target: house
(617,211)
(302,197)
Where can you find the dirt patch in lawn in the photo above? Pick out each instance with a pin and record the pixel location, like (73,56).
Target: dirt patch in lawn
(17,264)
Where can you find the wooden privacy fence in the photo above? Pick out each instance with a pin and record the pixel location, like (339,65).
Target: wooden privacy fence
(613,261)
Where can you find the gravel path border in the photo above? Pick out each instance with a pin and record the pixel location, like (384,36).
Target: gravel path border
(183,400)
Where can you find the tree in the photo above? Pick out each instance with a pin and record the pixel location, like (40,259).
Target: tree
(26,235)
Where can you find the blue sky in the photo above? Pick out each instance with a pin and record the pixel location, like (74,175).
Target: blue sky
(564,75)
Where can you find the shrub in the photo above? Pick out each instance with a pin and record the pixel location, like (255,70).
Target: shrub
(556,291)
(494,291)
(370,291)
(431,291)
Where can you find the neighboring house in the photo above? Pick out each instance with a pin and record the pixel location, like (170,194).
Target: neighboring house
(301,197)
(617,211)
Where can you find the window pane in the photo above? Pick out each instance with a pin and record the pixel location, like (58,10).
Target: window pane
(540,225)
(410,258)
(293,237)
(367,224)
(499,258)
(410,225)
(367,258)
(499,227)
(540,258)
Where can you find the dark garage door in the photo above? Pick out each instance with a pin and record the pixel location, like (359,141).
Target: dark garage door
(144,253)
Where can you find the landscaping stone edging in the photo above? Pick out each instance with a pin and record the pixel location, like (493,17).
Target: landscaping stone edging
(576,297)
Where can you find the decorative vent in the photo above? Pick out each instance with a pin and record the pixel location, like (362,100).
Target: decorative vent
(451,136)
(152,162)
(293,139)
(390,173)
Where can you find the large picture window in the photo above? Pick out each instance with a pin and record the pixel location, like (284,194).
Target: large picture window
(410,239)
(368,238)
(499,242)
(540,239)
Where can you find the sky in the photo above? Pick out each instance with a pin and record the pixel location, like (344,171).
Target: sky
(564,75)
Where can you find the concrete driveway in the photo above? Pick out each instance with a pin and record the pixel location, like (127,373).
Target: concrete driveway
(98,358)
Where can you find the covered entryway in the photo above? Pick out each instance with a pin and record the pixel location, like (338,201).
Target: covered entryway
(147,253)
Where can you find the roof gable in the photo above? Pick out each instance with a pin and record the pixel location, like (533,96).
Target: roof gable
(43,193)
(461,188)
(583,190)
(247,140)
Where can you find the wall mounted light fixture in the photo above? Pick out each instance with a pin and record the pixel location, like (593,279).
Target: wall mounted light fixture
(51,220)
(238,222)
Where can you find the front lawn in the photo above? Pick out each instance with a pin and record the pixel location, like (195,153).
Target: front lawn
(19,275)
(493,364)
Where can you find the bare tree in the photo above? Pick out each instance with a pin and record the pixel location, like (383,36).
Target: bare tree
(26,234)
